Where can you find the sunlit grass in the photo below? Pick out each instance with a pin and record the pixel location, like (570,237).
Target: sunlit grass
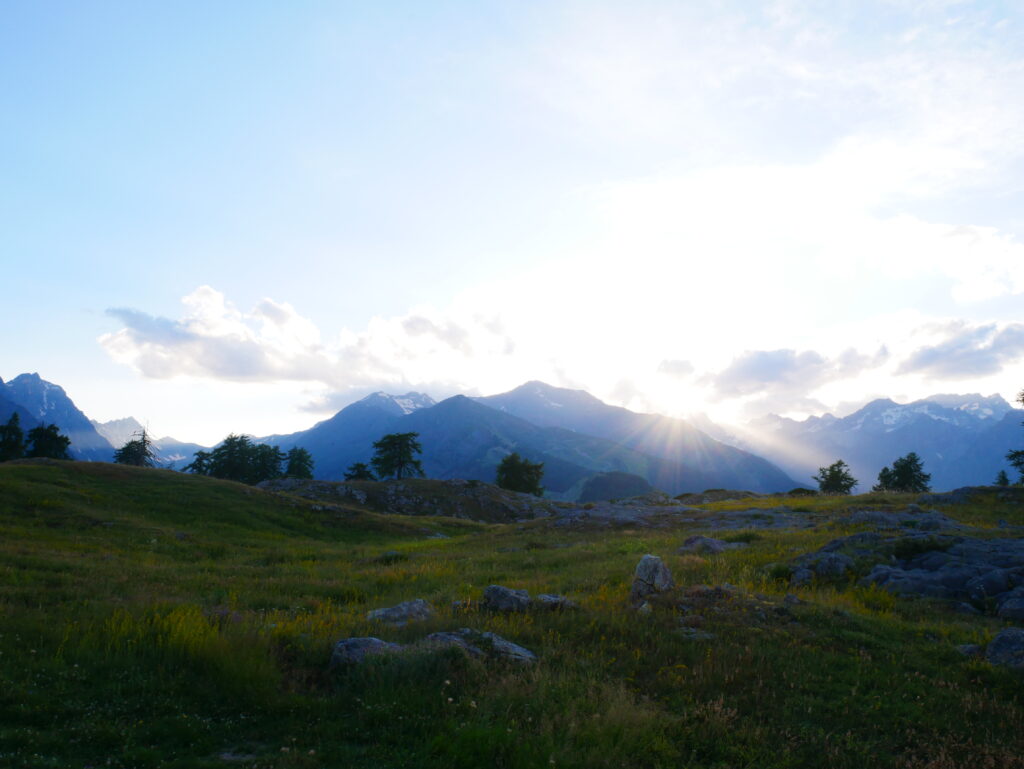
(151,619)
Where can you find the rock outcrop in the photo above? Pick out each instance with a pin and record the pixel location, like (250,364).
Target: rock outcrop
(651,577)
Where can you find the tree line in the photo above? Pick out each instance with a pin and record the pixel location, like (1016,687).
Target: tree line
(42,441)
(395,456)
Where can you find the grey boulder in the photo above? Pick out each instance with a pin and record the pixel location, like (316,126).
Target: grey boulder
(355,650)
(505,599)
(651,576)
(407,611)
(480,644)
(1007,648)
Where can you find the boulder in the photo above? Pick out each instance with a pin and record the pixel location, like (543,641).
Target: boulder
(651,576)
(505,599)
(480,644)
(407,611)
(555,602)
(826,564)
(1007,648)
(355,650)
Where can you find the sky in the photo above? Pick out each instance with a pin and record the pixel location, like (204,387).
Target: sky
(242,216)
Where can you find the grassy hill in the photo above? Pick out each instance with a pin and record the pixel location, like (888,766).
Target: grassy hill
(149,618)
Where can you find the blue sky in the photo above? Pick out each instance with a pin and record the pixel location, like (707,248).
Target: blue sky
(241,216)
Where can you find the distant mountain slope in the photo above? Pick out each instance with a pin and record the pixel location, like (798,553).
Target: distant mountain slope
(169,452)
(465,439)
(9,407)
(48,403)
(963,439)
(674,440)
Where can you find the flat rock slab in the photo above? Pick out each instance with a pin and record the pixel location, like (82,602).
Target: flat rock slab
(480,644)
(969,569)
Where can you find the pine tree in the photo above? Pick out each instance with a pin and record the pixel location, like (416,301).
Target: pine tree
(1016,457)
(12,439)
(200,464)
(300,463)
(518,474)
(906,475)
(138,451)
(48,442)
(359,471)
(395,455)
(1002,479)
(835,479)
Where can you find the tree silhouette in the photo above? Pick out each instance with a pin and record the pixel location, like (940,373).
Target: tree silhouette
(237,458)
(906,475)
(12,439)
(1002,479)
(1016,457)
(518,474)
(300,463)
(835,479)
(359,471)
(48,442)
(395,455)
(138,451)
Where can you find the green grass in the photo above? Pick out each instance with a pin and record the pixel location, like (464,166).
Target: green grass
(153,619)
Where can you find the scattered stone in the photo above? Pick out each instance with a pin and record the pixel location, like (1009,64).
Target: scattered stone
(644,608)
(555,602)
(652,576)
(828,565)
(505,599)
(791,600)
(355,650)
(965,608)
(403,613)
(710,545)
(692,620)
(970,650)
(1007,648)
(480,644)
(801,577)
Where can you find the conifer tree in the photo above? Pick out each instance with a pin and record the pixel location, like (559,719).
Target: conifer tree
(138,451)
(835,479)
(518,474)
(12,439)
(48,442)
(395,456)
(359,471)
(300,463)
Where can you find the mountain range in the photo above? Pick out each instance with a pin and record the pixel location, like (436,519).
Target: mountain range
(963,439)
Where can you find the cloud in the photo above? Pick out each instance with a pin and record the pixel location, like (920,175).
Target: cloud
(967,351)
(790,372)
(676,368)
(274,343)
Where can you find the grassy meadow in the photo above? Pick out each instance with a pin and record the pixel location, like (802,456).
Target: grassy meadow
(154,619)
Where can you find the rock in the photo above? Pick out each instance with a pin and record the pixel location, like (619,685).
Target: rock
(791,600)
(801,577)
(407,611)
(970,650)
(1012,608)
(355,650)
(555,602)
(480,644)
(651,576)
(826,564)
(505,599)
(1007,648)
(710,545)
